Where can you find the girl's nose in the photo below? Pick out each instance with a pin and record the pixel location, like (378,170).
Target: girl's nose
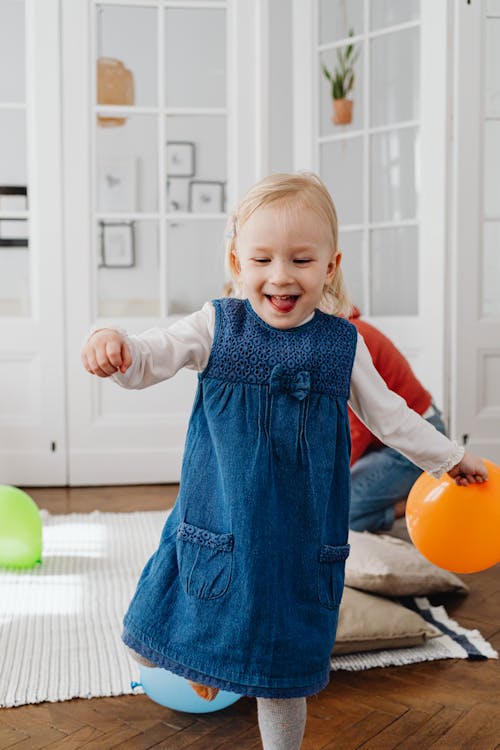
(280,273)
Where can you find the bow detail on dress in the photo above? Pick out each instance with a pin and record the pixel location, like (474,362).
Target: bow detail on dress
(296,384)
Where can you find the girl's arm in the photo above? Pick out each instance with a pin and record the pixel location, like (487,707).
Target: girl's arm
(389,418)
(153,356)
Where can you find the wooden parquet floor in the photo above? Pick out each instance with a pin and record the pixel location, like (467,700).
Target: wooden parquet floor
(443,705)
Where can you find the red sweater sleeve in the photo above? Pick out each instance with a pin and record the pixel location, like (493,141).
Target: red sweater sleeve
(397,373)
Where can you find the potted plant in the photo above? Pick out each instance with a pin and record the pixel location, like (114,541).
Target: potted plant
(342,83)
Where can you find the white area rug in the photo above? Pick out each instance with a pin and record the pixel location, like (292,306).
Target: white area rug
(60,623)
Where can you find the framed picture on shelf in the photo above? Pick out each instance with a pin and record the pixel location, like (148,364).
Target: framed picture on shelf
(117,245)
(206,196)
(181,160)
(13,198)
(117,185)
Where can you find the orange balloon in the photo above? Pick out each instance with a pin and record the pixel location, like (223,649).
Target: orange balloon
(456,528)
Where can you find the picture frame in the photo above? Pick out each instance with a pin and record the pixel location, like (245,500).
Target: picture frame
(206,196)
(117,184)
(181,159)
(117,244)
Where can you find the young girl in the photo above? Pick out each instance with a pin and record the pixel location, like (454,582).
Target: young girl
(243,592)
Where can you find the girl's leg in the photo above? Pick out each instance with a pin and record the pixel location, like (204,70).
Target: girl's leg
(282,722)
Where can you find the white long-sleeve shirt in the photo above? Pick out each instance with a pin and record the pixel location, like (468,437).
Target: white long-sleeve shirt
(158,353)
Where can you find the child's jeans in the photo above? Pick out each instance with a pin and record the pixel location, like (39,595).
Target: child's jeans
(379,480)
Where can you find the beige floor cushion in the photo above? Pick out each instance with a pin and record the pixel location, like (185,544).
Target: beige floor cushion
(368,622)
(386,565)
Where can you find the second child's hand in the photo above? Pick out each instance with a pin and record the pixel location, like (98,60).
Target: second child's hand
(470,470)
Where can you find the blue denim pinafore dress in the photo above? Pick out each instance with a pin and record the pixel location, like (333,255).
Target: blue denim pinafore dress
(244,590)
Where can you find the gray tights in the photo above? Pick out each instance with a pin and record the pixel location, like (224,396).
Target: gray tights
(282,722)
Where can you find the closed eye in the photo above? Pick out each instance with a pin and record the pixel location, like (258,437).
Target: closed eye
(261,260)
(302,261)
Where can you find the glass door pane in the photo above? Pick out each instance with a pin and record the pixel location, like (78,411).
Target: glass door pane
(195,266)
(329,59)
(196,163)
(395,85)
(127,165)
(128,272)
(195,43)
(391,12)
(337,18)
(127,51)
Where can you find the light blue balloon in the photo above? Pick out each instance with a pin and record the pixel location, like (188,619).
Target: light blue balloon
(172,691)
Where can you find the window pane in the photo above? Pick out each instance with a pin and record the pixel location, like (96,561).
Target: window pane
(195,51)
(128,35)
(14,227)
(195,264)
(329,59)
(394,271)
(196,163)
(342,171)
(12,51)
(337,18)
(395,64)
(12,147)
(492,67)
(388,12)
(351,246)
(128,274)
(394,186)
(14,272)
(127,166)
(491,162)
(491,269)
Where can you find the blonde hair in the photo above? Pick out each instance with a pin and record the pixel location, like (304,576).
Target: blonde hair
(309,190)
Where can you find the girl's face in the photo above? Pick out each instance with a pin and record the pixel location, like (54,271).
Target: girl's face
(284,257)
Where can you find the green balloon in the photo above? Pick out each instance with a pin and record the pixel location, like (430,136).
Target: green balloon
(20,529)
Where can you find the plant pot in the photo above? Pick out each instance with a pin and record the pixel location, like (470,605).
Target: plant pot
(342,111)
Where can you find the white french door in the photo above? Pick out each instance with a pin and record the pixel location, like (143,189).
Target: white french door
(476,228)
(148,186)
(386,170)
(32,401)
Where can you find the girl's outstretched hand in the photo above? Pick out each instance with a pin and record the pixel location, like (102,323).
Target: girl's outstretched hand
(470,470)
(105,353)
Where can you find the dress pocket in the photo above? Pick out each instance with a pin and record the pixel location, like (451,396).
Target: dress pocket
(331,574)
(205,561)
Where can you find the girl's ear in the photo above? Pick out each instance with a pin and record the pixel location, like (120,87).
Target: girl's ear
(332,266)
(234,262)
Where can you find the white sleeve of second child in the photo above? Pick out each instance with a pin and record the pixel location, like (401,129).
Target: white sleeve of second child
(389,418)
(158,353)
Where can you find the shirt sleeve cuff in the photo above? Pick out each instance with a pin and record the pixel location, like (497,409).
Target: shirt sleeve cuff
(456,456)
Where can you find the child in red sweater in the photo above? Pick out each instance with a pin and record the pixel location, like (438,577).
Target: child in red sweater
(381,477)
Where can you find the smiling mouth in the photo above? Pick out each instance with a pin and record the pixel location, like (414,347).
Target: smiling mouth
(283,303)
